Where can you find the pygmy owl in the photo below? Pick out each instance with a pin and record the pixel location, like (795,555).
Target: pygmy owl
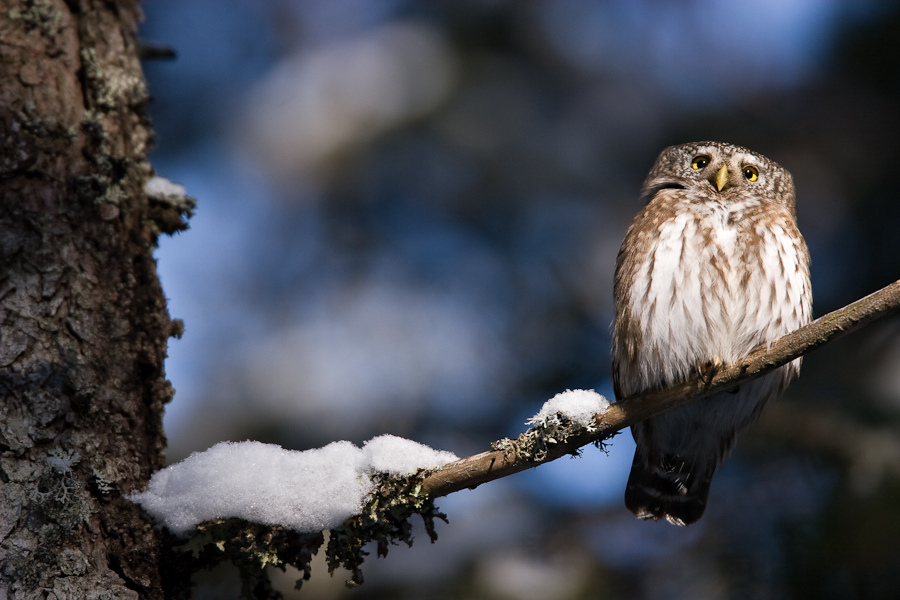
(711,267)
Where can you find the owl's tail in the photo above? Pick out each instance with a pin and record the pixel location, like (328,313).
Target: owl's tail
(668,487)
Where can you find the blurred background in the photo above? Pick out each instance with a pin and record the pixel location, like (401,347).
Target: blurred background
(408,219)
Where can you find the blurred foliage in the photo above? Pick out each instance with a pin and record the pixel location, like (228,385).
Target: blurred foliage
(432,256)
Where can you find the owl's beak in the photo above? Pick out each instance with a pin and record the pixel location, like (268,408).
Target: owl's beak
(722,178)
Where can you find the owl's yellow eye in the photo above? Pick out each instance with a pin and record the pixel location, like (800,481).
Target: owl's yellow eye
(699,162)
(751,174)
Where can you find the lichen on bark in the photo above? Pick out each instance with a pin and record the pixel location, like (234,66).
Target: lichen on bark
(83,321)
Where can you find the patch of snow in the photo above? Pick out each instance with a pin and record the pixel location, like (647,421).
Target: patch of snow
(158,186)
(579,406)
(264,483)
(401,457)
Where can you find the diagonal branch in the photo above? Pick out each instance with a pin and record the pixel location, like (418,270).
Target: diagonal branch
(474,470)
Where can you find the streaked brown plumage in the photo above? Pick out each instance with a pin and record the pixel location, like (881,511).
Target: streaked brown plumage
(712,266)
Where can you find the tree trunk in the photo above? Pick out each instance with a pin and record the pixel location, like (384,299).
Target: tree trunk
(83,321)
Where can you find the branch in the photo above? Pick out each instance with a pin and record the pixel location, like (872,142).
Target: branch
(385,517)
(514,456)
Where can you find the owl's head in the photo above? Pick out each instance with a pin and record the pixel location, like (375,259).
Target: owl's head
(720,169)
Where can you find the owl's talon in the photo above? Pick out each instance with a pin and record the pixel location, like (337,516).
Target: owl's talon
(707,370)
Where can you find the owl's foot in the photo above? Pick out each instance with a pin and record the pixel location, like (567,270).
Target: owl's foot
(707,370)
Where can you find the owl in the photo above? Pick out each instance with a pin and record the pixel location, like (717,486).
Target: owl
(713,266)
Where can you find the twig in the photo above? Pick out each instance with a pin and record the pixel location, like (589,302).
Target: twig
(474,470)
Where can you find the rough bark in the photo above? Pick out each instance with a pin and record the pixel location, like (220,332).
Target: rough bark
(83,321)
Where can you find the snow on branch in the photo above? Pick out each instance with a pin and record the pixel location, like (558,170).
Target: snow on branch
(305,491)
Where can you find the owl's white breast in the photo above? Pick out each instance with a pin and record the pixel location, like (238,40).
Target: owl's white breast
(718,285)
